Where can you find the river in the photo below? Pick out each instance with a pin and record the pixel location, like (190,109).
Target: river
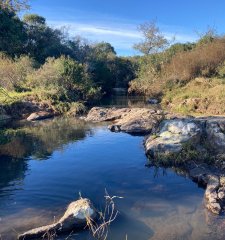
(45,165)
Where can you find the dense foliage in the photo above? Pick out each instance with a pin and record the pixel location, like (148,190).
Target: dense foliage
(35,57)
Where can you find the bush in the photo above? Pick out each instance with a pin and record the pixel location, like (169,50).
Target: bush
(148,77)
(203,61)
(14,73)
(65,80)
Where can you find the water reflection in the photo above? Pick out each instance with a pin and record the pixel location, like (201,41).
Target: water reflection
(157,204)
(40,139)
(22,141)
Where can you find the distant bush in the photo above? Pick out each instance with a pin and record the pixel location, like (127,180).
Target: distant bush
(14,73)
(201,61)
(148,80)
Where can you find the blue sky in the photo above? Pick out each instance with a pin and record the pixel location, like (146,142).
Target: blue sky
(116,21)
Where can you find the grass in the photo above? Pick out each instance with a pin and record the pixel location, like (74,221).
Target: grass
(189,153)
(201,96)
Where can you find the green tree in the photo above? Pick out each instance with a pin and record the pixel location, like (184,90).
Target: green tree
(14,5)
(12,33)
(153,38)
(42,41)
(34,19)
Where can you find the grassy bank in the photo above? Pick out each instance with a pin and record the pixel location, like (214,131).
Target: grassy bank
(201,96)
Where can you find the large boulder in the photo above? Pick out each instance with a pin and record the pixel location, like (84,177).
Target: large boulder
(74,218)
(172,136)
(130,120)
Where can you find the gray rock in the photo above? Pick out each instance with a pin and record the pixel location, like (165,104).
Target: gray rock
(172,135)
(130,120)
(216,134)
(40,115)
(75,217)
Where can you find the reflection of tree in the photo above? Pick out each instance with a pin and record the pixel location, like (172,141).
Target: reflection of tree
(11,169)
(37,140)
(40,139)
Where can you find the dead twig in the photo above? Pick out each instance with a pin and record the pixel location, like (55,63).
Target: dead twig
(99,229)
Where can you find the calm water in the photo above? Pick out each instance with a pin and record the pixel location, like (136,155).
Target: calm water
(44,166)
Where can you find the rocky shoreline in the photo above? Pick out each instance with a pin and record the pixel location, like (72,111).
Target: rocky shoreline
(196,145)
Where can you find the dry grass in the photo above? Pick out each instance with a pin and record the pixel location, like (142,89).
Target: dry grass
(201,96)
(203,61)
(100,228)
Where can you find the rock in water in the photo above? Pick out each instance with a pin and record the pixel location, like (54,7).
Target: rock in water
(75,217)
(40,115)
(171,137)
(130,120)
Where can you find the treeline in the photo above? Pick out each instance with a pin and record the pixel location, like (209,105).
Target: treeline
(37,58)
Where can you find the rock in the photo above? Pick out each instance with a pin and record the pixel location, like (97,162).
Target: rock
(172,135)
(199,175)
(215,130)
(221,194)
(40,115)
(99,114)
(222,181)
(211,194)
(75,217)
(130,120)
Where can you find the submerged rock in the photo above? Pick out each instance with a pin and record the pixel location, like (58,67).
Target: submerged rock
(75,217)
(130,120)
(40,115)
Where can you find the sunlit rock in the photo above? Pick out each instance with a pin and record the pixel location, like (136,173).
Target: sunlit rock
(130,120)
(40,115)
(74,218)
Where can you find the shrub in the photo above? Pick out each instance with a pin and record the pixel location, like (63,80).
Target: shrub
(14,73)
(64,79)
(203,60)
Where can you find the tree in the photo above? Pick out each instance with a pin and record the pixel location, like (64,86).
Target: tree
(103,49)
(34,19)
(12,33)
(207,37)
(42,41)
(153,39)
(14,5)
(78,48)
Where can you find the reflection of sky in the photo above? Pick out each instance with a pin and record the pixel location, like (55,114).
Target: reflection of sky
(116,21)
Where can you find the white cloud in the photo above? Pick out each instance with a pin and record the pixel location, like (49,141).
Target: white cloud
(121,35)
